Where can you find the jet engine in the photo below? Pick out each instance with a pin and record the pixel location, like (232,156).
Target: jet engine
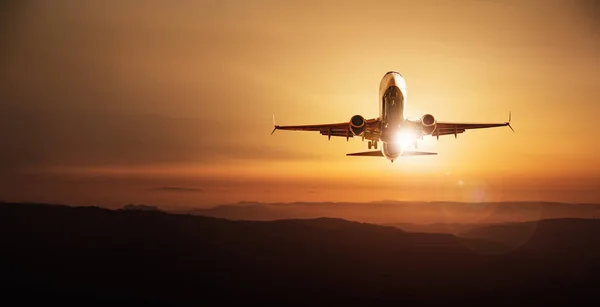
(357,125)
(428,123)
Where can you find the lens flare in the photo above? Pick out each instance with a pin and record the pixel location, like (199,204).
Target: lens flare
(406,139)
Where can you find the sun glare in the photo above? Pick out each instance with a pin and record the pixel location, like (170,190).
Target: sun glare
(406,139)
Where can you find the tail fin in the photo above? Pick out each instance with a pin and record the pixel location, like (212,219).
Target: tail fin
(380,154)
(418,153)
(377,153)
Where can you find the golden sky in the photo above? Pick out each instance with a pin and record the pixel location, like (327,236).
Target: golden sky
(104,101)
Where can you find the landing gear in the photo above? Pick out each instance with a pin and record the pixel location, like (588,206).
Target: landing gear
(375,144)
(372,144)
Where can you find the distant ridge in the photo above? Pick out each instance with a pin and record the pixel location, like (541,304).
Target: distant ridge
(140,207)
(385,212)
(51,253)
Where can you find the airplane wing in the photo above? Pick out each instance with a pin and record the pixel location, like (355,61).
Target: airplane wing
(335,129)
(445,128)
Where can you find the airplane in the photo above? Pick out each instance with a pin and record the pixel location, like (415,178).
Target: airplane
(392,128)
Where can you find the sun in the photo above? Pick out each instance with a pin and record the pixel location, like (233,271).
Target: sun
(406,139)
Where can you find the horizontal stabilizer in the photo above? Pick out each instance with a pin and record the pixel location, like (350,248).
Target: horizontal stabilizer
(377,153)
(418,153)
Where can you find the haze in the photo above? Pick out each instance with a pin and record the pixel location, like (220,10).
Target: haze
(170,103)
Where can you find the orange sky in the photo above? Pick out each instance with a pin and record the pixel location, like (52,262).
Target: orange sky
(102,102)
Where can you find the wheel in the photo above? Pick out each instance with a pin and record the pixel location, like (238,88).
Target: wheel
(375,145)
(370,144)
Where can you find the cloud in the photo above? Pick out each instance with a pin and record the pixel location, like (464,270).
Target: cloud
(40,137)
(176,189)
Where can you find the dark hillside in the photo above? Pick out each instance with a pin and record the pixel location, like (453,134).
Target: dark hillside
(149,256)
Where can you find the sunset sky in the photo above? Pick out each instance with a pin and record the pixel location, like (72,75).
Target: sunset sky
(170,103)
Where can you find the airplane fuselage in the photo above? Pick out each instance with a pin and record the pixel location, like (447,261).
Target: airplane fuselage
(392,95)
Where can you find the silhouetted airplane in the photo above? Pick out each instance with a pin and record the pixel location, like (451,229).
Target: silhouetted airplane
(391,127)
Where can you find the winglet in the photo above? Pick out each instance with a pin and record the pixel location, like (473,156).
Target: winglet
(509,119)
(274,126)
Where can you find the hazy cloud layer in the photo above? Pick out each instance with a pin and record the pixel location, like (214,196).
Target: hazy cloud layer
(33,137)
(176,189)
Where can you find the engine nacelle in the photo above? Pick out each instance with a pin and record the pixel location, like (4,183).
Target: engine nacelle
(358,124)
(428,123)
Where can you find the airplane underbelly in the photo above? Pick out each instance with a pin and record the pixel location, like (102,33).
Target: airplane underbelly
(393,107)
(393,113)
(391,150)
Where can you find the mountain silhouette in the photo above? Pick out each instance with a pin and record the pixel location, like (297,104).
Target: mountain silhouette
(404,212)
(556,235)
(140,207)
(447,228)
(88,255)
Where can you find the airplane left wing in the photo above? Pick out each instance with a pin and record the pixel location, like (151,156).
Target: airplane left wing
(336,129)
(445,128)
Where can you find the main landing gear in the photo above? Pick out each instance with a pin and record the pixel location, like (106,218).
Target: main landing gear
(373,144)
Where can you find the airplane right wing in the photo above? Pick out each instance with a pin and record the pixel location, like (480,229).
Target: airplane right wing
(336,129)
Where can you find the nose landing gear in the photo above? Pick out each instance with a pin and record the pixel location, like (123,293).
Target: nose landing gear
(373,144)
